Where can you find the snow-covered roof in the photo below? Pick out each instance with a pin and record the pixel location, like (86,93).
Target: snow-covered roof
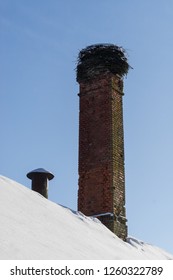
(33,227)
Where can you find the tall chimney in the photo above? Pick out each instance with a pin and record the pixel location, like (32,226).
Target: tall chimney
(101,193)
(40,179)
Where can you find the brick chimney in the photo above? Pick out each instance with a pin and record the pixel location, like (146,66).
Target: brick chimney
(101,193)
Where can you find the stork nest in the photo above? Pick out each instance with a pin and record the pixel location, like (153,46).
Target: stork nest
(96,59)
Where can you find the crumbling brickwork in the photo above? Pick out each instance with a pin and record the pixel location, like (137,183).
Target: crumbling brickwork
(101,150)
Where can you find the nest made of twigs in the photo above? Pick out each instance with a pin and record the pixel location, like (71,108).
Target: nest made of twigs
(96,59)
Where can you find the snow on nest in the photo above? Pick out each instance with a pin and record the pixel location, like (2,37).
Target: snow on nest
(33,227)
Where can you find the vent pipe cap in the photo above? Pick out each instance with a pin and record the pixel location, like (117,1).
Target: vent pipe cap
(40,171)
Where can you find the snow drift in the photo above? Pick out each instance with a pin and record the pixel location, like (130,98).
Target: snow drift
(33,227)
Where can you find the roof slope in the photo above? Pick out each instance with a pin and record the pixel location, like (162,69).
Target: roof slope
(33,227)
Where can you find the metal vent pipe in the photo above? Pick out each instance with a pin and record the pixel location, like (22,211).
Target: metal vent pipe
(40,179)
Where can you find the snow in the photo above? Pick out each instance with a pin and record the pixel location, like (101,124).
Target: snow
(33,227)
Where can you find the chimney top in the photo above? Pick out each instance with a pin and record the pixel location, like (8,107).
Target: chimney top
(48,174)
(99,58)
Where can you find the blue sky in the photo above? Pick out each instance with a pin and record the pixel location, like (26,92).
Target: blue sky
(40,41)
